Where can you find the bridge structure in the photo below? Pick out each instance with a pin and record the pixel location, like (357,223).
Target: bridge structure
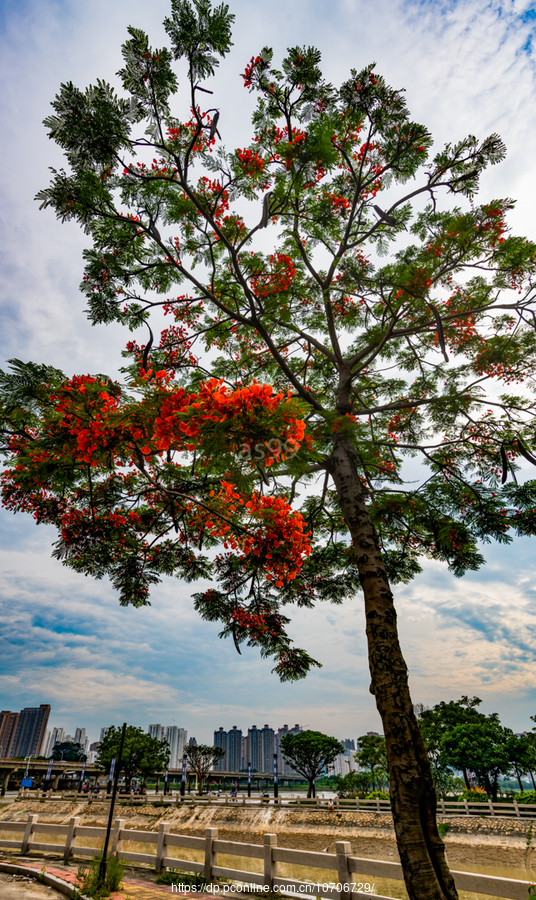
(37,768)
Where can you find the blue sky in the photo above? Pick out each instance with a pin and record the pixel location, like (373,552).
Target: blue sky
(467,68)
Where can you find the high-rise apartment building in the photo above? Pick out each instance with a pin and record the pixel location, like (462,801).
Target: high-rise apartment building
(348,744)
(80,737)
(220,741)
(234,749)
(157,732)
(343,763)
(283,766)
(30,731)
(255,749)
(231,743)
(261,748)
(268,748)
(56,736)
(176,738)
(103,733)
(8,723)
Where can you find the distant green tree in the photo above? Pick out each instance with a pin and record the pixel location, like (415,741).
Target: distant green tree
(142,754)
(481,747)
(435,723)
(372,755)
(69,751)
(354,783)
(520,752)
(201,758)
(309,753)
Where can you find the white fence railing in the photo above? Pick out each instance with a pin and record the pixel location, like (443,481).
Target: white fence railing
(444,807)
(347,870)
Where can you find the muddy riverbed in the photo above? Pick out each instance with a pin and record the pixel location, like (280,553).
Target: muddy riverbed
(500,847)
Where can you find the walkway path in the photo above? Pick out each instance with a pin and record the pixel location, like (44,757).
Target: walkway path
(134,888)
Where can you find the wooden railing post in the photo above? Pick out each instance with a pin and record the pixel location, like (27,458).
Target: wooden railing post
(377,804)
(211,858)
(343,849)
(357,802)
(117,843)
(491,809)
(516,807)
(270,867)
(70,840)
(28,834)
(443,807)
(466,805)
(163,829)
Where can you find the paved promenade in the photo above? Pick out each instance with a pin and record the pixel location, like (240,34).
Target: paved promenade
(28,888)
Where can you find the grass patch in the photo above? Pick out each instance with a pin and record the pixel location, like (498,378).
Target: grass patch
(89,881)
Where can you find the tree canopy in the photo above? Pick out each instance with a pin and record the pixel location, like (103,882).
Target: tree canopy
(142,754)
(73,752)
(342,388)
(371,755)
(310,753)
(201,758)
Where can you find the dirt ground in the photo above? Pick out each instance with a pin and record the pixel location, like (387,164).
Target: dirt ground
(16,888)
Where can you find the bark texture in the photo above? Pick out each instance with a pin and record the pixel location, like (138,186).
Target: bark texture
(413,797)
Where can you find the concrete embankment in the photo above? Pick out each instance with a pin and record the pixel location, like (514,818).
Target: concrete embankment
(486,841)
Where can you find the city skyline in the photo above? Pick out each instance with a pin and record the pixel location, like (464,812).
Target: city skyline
(467,67)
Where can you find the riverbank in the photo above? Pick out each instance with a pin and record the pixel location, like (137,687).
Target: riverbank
(471,841)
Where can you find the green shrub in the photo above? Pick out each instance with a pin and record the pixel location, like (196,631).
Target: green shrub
(525,797)
(474,796)
(173,876)
(381,794)
(443,827)
(89,882)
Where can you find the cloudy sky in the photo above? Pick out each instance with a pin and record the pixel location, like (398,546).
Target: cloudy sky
(467,67)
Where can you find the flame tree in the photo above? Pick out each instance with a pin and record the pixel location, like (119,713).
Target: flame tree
(316,341)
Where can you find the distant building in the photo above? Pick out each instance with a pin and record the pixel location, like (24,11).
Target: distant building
(103,733)
(80,737)
(30,731)
(93,751)
(348,744)
(220,741)
(254,749)
(343,764)
(261,748)
(156,731)
(231,744)
(56,736)
(284,768)
(176,738)
(8,723)
(192,742)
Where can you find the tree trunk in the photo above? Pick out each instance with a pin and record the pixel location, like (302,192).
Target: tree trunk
(413,797)
(532,779)
(310,789)
(518,776)
(466,779)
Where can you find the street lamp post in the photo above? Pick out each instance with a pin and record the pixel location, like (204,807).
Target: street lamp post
(103,864)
